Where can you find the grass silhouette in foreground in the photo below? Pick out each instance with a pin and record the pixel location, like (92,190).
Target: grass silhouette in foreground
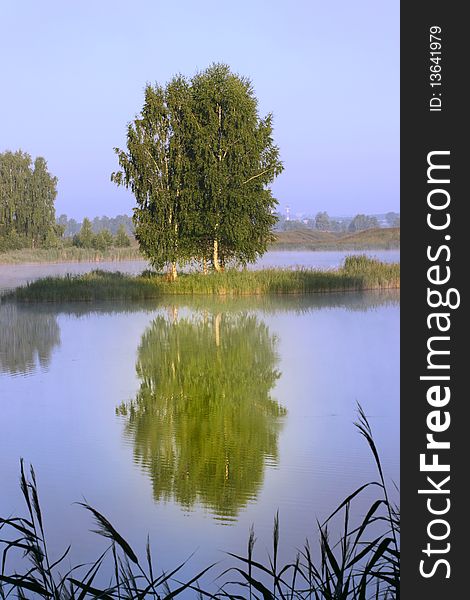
(363,564)
(357,273)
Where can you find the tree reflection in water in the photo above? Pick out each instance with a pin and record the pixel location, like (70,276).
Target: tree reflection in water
(204,423)
(27,338)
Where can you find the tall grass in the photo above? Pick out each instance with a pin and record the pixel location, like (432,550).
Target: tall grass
(364,563)
(358,273)
(69,254)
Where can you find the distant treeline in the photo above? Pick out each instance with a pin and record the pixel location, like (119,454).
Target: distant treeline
(323,222)
(27,213)
(71,227)
(100,239)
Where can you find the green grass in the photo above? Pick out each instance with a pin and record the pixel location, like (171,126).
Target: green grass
(69,254)
(357,273)
(364,563)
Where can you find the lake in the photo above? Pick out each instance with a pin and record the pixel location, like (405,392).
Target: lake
(190,420)
(12,276)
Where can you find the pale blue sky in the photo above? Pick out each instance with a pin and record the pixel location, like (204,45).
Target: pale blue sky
(73,75)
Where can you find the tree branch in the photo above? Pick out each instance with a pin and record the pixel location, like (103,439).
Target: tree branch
(258,175)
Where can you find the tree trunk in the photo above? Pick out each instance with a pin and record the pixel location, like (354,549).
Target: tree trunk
(172,272)
(215,257)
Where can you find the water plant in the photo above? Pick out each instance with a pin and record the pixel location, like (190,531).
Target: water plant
(358,273)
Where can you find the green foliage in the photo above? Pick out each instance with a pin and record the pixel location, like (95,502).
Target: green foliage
(199,161)
(12,240)
(200,428)
(27,195)
(122,240)
(103,240)
(235,160)
(85,238)
(156,169)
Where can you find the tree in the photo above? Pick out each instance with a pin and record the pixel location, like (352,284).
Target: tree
(199,161)
(85,237)
(393,219)
(122,239)
(322,221)
(43,194)
(156,167)
(27,195)
(103,240)
(361,222)
(236,160)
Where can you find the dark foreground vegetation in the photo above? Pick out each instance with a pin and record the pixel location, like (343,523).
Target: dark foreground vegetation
(363,564)
(357,273)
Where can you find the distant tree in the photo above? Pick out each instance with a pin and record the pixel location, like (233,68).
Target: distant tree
(43,194)
(393,219)
(63,221)
(103,240)
(337,226)
(293,226)
(122,239)
(27,195)
(53,238)
(73,227)
(85,237)
(322,221)
(362,222)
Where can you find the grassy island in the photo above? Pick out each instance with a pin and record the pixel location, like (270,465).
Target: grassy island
(357,273)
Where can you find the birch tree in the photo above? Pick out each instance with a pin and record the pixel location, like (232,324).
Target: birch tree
(236,160)
(27,195)
(155,168)
(199,162)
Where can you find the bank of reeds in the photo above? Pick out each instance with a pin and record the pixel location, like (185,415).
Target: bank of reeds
(358,273)
(363,564)
(69,254)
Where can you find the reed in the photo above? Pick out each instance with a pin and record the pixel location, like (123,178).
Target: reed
(358,273)
(364,563)
(69,254)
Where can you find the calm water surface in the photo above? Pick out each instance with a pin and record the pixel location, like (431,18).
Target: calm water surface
(192,420)
(12,276)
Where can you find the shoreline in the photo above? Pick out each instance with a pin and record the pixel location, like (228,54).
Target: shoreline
(132,257)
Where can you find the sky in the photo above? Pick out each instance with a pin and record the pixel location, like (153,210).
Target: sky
(73,76)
